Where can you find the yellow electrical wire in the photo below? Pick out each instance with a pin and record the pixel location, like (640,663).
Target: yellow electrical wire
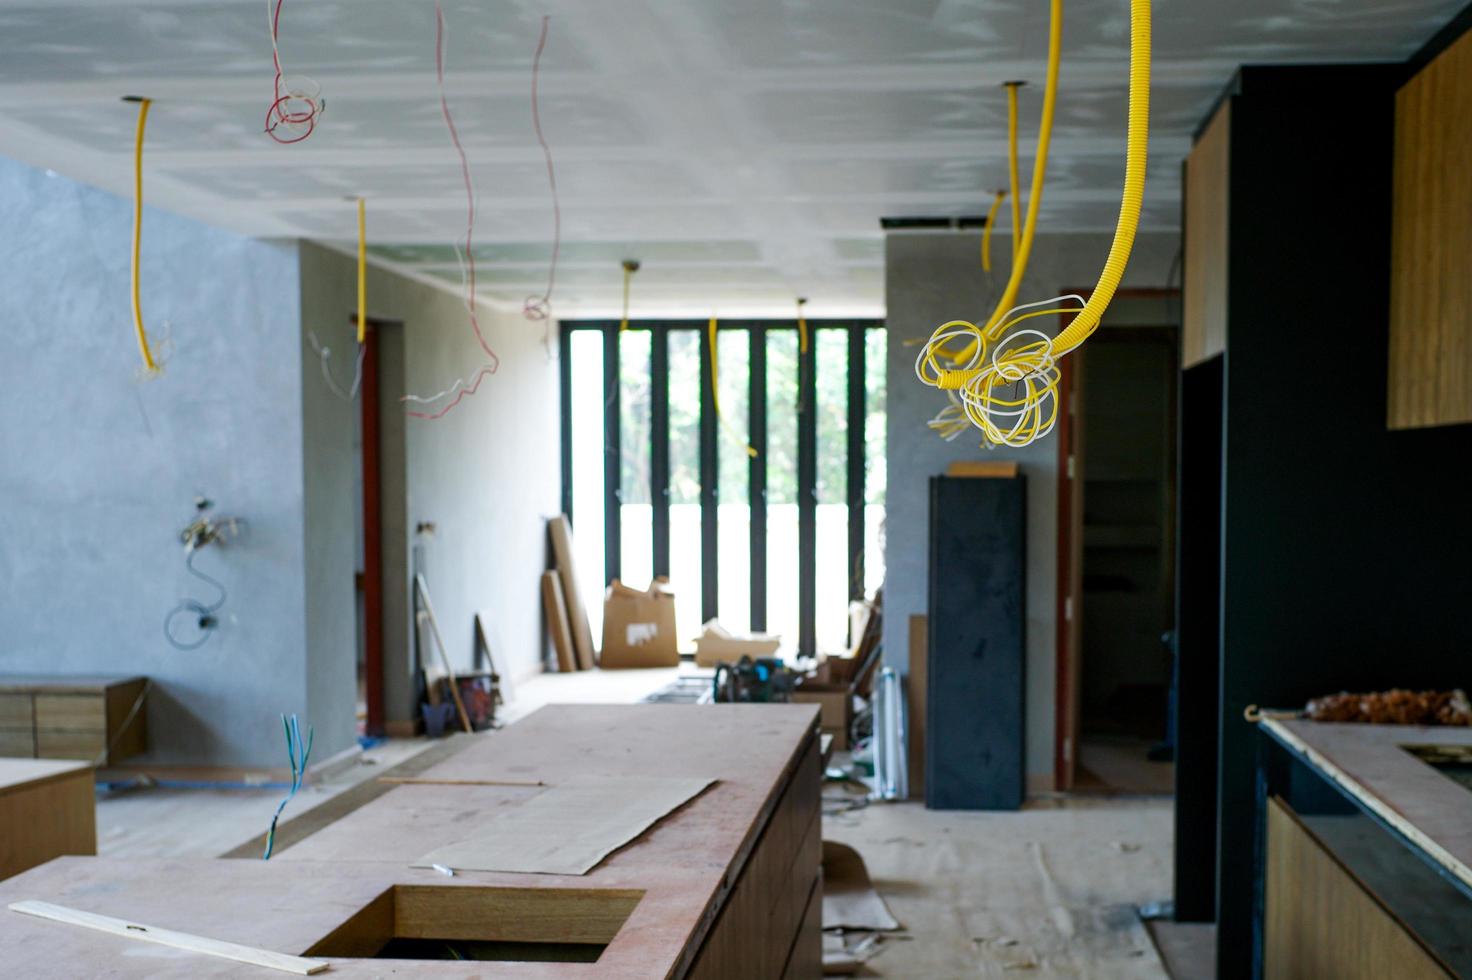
(715,386)
(362,272)
(802,326)
(986,233)
(1012,174)
(1034,365)
(149,365)
(1022,248)
(630,267)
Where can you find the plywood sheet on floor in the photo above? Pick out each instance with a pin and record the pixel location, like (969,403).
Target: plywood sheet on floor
(1188,948)
(1050,891)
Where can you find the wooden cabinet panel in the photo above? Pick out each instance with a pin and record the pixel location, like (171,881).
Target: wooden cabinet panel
(86,746)
(15,711)
(1431,245)
(71,712)
(1320,922)
(46,810)
(1204,302)
(17,743)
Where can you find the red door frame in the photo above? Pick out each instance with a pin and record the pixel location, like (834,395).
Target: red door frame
(372,535)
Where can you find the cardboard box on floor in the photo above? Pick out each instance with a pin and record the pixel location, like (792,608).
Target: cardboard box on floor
(639,627)
(715,645)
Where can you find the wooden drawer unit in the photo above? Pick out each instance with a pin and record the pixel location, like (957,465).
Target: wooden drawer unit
(46,810)
(73,718)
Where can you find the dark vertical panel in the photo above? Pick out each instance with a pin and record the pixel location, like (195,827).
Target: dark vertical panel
(856,376)
(974,722)
(1198,635)
(659,452)
(612,457)
(709,482)
(757,481)
(807,496)
(564,367)
(1344,544)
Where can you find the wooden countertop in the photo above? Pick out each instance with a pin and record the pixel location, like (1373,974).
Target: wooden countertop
(685,865)
(1371,764)
(60,684)
(17,774)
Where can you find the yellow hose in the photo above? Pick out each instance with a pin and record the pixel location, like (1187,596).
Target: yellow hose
(986,233)
(148,362)
(1012,175)
(362,272)
(1134,186)
(715,388)
(630,267)
(802,327)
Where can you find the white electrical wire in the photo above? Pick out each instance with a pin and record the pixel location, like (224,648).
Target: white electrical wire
(324,354)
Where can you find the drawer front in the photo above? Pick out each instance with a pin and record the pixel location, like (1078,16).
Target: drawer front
(86,746)
(71,713)
(17,743)
(15,711)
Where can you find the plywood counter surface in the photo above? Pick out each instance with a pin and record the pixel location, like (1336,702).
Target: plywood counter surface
(1371,764)
(685,866)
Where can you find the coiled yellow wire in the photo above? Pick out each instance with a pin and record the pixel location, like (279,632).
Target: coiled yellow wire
(1025,415)
(149,365)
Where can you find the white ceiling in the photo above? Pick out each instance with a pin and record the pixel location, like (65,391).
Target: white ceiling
(744,150)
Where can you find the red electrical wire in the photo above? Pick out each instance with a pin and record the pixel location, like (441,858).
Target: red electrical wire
(460,388)
(296,111)
(540,307)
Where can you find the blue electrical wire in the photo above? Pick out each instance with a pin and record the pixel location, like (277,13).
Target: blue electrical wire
(297,753)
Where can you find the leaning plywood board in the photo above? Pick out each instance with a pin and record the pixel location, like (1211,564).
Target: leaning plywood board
(497,657)
(577,613)
(567,829)
(555,608)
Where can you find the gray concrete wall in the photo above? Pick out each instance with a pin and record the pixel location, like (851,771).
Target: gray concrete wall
(98,468)
(486,475)
(929,279)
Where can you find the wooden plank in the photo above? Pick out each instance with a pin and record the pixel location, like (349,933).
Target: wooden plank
(71,713)
(1319,921)
(505,685)
(577,612)
(166,937)
(554,607)
(984,468)
(16,711)
(1430,379)
(47,809)
(1204,302)
(915,685)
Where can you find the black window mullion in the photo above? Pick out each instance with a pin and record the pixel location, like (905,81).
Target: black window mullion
(856,412)
(564,367)
(757,470)
(659,450)
(709,475)
(807,496)
(612,457)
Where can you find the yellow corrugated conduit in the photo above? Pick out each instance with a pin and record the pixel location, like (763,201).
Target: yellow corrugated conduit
(1009,387)
(150,366)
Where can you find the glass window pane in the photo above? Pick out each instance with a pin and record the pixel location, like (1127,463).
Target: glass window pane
(831,625)
(782,610)
(637,528)
(685,550)
(875,475)
(587,469)
(733,521)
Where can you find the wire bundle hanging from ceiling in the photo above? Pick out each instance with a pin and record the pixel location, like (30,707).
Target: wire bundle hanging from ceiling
(461,388)
(296,101)
(150,366)
(1008,383)
(539,307)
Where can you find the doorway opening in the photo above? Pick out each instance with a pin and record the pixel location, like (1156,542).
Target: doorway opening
(1117,554)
